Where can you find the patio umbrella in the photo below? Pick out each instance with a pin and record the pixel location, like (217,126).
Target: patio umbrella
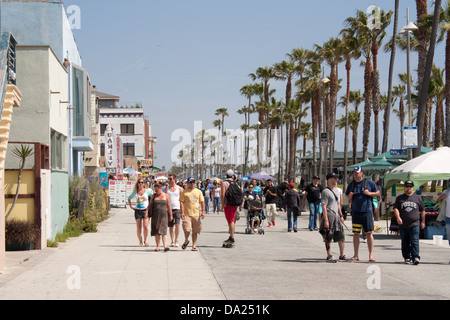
(428,167)
(262,176)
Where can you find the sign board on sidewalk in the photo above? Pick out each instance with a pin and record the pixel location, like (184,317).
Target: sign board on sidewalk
(119,191)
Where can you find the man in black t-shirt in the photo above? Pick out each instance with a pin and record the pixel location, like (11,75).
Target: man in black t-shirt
(410,213)
(313,193)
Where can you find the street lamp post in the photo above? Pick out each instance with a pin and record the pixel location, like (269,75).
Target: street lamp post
(323,157)
(280,146)
(410,27)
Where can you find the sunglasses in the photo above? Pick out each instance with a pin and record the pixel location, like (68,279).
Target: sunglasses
(141,182)
(409,186)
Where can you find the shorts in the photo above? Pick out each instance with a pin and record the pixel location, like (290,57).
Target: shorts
(139,214)
(362,221)
(176,213)
(192,224)
(230,213)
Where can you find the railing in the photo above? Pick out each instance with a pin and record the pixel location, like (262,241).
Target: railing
(7,64)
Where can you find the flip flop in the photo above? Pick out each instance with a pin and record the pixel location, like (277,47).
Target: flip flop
(194,249)
(184,246)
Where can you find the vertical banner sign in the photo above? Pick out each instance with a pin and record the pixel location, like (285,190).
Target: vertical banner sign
(110,161)
(119,153)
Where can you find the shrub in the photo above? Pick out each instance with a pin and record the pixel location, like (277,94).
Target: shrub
(18,231)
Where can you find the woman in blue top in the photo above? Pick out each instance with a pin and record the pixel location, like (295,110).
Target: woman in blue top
(141,197)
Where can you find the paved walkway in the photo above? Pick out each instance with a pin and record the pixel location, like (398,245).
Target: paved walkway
(108,265)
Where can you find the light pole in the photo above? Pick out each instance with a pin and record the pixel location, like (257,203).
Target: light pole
(410,27)
(280,146)
(323,157)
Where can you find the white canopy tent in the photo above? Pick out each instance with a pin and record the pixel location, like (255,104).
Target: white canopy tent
(428,167)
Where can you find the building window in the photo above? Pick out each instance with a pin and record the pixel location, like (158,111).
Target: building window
(103,129)
(127,128)
(128,149)
(102,150)
(58,151)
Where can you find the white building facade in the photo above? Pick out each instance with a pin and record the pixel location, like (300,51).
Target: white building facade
(130,125)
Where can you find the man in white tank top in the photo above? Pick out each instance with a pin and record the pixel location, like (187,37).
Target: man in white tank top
(174,192)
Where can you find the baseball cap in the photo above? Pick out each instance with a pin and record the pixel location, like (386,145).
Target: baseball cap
(409,183)
(230,173)
(190,179)
(358,169)
(316,177)
(332,175)
(292,185)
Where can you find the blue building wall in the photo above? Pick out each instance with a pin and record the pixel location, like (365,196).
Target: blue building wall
(34,24)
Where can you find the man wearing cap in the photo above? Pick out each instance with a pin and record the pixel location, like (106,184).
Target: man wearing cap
(292,203)
(191,200)
(229,210)
(410,213)
(332,220)
(313,193)
(360,193)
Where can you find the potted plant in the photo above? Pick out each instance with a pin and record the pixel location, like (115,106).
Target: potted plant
(19,235)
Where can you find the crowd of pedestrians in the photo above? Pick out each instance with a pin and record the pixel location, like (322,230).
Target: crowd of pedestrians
(182,205)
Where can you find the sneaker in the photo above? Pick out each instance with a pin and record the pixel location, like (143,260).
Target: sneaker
(273,223)
(344,258)
(295,229)
(407,261)
(270,225)
(331,259)
(416,261)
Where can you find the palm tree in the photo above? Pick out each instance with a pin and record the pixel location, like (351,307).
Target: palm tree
(445,32)
(23,153)
(222,112)
(286,70)
(357,26)
(355,98)
(377,38)
(387,113)
(399,91)
(246,112)
(331,52)
(437,93)
(305,128)
(350,50)
(426,78)
(354,117)
(264,74)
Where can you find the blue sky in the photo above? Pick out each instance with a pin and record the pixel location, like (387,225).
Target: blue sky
(183,59)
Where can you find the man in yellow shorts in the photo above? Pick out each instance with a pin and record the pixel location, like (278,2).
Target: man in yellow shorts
(191,200)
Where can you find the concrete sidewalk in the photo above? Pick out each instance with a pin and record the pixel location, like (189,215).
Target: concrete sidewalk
(108,265)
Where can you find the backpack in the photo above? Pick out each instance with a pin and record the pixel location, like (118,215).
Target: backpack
(234,195)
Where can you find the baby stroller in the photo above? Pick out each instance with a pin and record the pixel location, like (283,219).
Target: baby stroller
(255,217)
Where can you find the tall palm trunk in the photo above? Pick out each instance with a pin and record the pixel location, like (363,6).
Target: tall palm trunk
(367,107)
(348,67)
(387,112)
(332,111)
(447,90)
(426,80)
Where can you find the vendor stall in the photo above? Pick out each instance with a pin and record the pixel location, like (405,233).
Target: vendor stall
(433,166)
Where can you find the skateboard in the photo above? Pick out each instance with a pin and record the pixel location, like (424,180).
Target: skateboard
(228,244)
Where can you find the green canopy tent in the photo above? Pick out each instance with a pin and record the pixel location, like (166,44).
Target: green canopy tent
(432,166)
